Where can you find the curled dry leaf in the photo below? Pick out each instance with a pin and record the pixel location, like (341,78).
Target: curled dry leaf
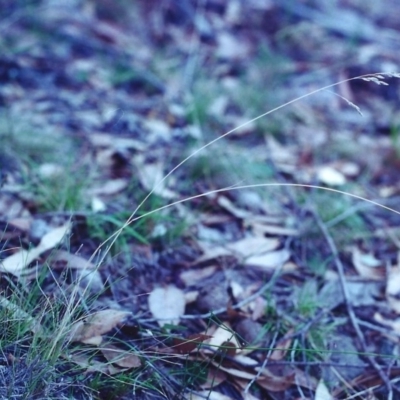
(91,329)
(16,263)
(228,348)
(167,304)
(223,334)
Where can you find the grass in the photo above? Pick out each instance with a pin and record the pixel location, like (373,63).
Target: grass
(30,323)
(41,357)
(306,304)
(47,345)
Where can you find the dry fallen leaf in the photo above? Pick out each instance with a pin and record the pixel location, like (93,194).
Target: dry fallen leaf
(71,260)
(91,329)
(122,358)
(330,176)
(167,304)
(367,265)
(393,288)
(109,188)
(187,345)
(192,276)
(282,347)
(19,314)
(223,333)
(261,229)
(151,175)
(91,365)
(253,246)
(269,260)
(16,263)
(243,248)
(322,392)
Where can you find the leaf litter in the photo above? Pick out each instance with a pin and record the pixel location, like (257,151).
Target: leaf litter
(102,97)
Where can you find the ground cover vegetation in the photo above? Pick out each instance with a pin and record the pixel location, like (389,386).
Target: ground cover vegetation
(199,200)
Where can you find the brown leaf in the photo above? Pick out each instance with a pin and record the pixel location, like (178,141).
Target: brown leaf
(122,358)
(228,348)
(222,334)
(91,329)
(282,347)
(185,346)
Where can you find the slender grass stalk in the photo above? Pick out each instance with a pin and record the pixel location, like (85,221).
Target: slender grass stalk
(375,78)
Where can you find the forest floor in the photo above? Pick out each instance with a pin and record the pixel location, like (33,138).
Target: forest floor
(199,199)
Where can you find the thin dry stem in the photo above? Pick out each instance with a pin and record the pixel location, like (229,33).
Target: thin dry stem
(376,78)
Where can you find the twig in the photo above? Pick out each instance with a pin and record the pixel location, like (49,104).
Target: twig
(353,318)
